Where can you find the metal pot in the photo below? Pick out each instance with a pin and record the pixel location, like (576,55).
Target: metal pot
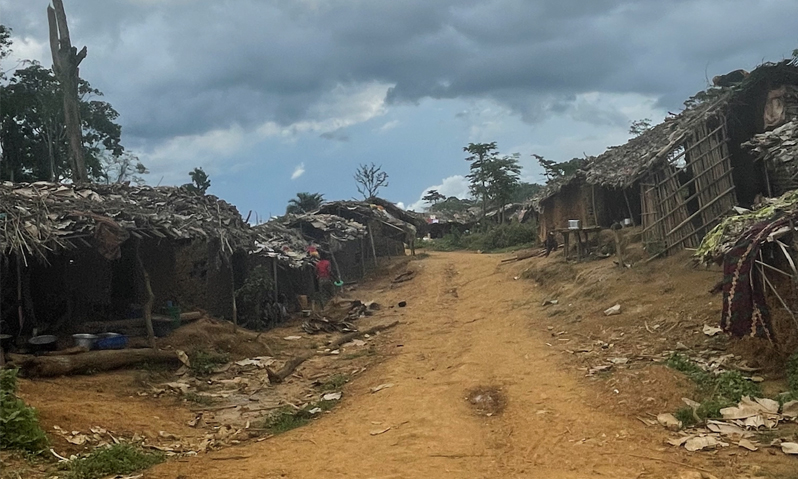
(84,340)
(45,342)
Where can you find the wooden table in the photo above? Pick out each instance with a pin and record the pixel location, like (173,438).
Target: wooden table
(566,235)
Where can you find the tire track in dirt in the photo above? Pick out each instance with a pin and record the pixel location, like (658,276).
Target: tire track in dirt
(447,347)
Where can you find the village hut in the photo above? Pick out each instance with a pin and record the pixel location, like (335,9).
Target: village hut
(687,172)
(280,270)
(344,241)
(389,228)
(78,253)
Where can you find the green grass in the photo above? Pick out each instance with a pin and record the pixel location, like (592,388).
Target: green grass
(288,418)
(335,382)
(112,460)
(715,392)
(19,423)
(204,363)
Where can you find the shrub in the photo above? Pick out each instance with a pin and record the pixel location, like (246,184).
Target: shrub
(116,459)
(792,372)
(19,423)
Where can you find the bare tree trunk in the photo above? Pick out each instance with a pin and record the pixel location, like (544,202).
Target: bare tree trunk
(66,59)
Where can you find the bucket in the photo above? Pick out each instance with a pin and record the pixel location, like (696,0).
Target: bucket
(111,341)
(573,224)
(84,340)
(627,222)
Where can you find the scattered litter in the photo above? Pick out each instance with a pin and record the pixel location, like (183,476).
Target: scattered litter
(550,301)
(790,409)
(377,432)
(315,410)
(701,443)
(599,369)
(789,447)
(402,304)
(618,361)
(332,396)
(711,330)
(381,387)
(292,338)
(746,444)
(669,421)
(613,310)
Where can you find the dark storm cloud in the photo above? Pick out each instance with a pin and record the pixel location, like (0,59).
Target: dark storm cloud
(185,67)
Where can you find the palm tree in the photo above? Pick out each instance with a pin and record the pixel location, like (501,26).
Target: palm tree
(304,203)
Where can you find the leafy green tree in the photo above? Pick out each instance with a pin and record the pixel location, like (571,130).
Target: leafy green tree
(481,154)
(200,181)
(433,197)
(304,203)
(33,135)
(553,170)
(123,168)
(370,179)
(638,127)
(503,180)
(525,191)
(452,204)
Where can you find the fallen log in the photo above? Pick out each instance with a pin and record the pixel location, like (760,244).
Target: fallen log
(48,366)
(521,256)
(279,376)
(350,336)
(118,325)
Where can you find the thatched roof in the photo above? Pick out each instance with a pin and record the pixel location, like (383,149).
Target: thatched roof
(362,212)
(275,240)
(621,166)
(778,147)
(326,225)
(42,218)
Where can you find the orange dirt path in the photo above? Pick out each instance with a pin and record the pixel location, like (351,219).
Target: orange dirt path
(468,324)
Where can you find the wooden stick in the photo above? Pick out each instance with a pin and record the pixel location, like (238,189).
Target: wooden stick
(276,377)
(773,288)
(150,297)
(350,336)
(373,249)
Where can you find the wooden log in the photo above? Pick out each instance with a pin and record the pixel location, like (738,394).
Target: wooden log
(49,366)
(350,336)
(276,377)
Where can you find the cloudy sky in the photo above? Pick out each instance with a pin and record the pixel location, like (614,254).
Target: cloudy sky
(273,97)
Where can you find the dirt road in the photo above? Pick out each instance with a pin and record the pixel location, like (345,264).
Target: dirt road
(468,324)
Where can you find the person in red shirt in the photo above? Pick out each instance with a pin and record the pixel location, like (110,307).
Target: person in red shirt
(325,278)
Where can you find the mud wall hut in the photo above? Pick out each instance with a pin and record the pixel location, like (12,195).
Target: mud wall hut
(71,254)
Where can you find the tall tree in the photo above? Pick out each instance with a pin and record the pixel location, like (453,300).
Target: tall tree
(553,170)
(638,127)
(481,154)
(66,60)
(433,197)
(34,136)
(200,181)
(123,168)
(503,179)
(370,179)
(304,203)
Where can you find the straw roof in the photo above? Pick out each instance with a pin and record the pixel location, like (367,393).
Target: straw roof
(275,240)
(361,212)
(43,218)
(778,147)
(326,225)
(620,166)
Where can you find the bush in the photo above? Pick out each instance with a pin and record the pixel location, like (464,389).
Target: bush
(792,372)
(115,459)
(204,363)
(498,237)
(19,423)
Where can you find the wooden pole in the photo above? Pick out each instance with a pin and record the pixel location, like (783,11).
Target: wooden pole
(150,297)
(337,269)
(274,272)
(363,255)
(629,207)
(618,251)
(233,294)
(66,60)
(373,249)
